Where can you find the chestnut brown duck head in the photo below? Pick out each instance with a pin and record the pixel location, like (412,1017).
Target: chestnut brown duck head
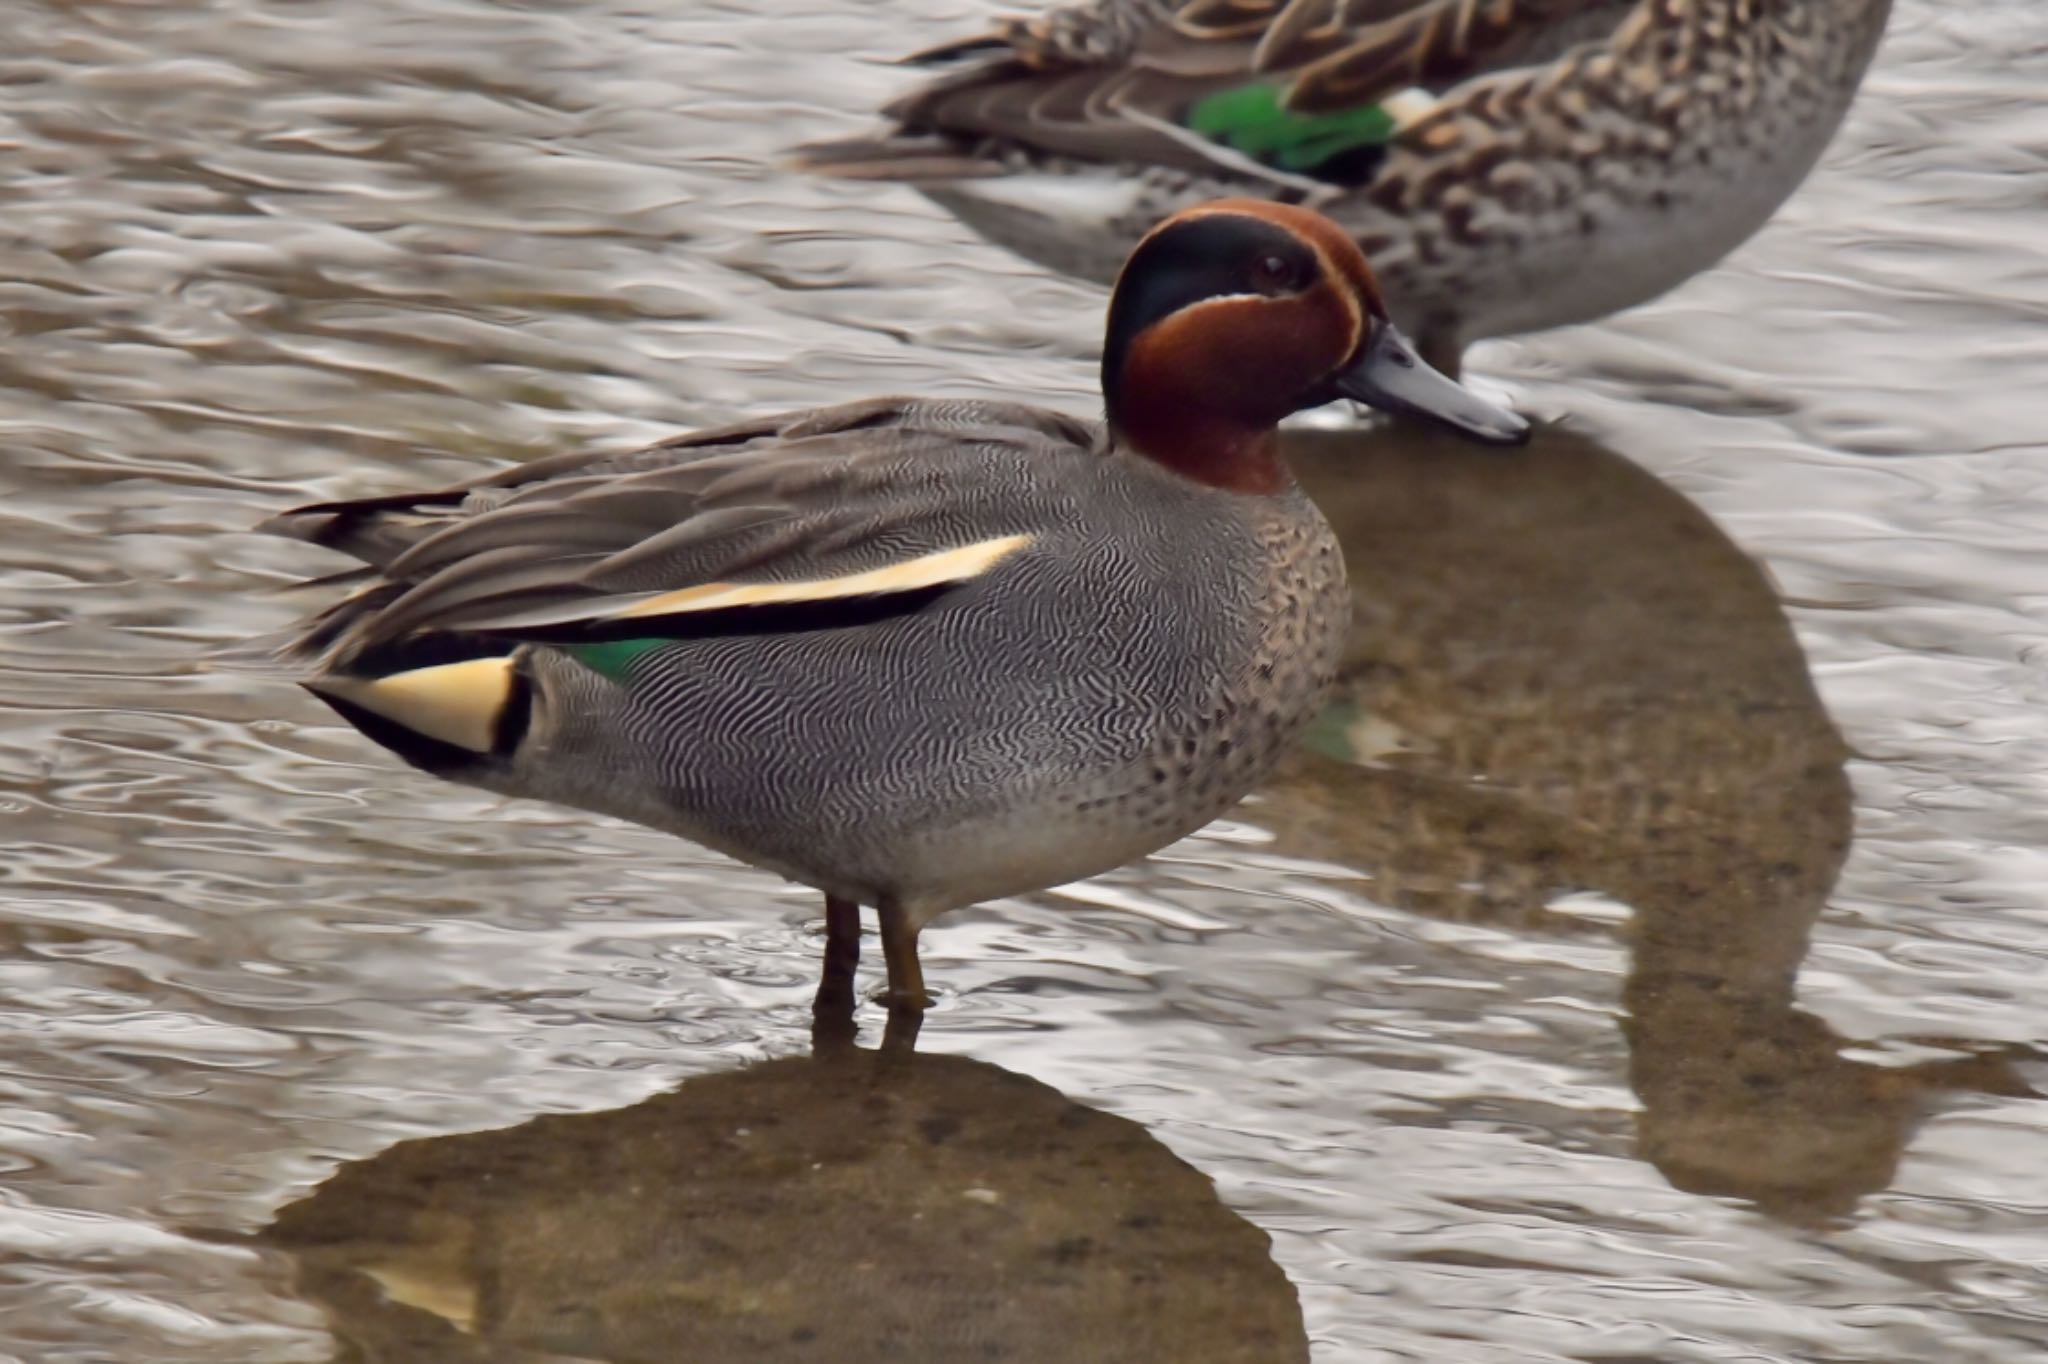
(1231,316)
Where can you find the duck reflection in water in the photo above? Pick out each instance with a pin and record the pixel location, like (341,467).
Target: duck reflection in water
(849,1206)
(1563,677)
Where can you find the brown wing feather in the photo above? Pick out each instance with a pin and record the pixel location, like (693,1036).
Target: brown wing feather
(1431,45)
(1110,81)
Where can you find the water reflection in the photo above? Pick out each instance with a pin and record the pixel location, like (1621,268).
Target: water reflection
(852,1205)
(1565,679)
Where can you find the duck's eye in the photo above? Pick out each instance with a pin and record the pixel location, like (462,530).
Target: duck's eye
(1273,275)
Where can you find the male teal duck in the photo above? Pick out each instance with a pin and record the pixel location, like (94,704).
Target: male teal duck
(914,653)
(1508,165)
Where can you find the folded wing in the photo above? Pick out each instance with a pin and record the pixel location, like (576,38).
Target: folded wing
(1297,87)
(800,522)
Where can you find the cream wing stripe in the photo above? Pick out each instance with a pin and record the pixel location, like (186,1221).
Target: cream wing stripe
(457,703)
(929,570)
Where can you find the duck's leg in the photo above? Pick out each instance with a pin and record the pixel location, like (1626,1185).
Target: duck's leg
(899,1034)
(832,1010)
(899,949)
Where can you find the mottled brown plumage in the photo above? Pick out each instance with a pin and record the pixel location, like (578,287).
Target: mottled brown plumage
(1508,165)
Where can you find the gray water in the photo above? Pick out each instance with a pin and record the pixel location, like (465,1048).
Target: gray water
(1475,1038)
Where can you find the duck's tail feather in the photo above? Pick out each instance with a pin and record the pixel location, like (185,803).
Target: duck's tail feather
(444,703)
(443,718)
(314,645)
(272,657)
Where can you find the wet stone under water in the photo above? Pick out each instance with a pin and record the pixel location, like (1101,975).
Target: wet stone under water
(1644,963)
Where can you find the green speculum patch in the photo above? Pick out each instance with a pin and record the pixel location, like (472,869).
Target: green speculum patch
(613,657)
(1249,119)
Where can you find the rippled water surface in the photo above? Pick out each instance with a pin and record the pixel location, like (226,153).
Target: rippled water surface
(1474,1038)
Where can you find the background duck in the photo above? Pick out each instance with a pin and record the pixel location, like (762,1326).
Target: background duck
(1508,165)
(917,654)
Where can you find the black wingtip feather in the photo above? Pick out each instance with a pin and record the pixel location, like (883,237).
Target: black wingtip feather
(431,756)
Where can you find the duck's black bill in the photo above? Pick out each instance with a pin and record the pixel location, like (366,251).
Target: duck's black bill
(1393,377)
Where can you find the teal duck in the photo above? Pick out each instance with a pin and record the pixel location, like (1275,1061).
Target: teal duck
(916,654)
(1508,165)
